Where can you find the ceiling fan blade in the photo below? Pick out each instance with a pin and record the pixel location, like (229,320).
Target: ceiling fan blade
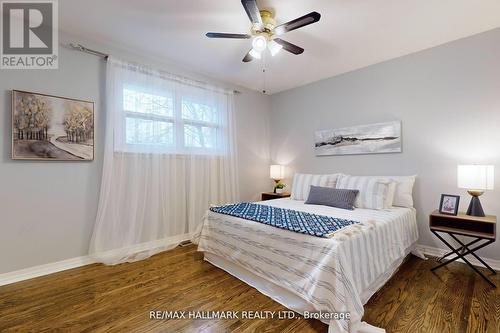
(252,11)
(300,22)
(287,46)
(227,35)
(247,57)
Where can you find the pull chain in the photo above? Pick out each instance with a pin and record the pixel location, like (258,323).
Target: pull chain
(264,83)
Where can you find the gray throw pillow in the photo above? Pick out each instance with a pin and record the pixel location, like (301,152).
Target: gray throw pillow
(333,197)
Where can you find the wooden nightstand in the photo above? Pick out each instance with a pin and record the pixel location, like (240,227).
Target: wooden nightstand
(479,228)
(271,195)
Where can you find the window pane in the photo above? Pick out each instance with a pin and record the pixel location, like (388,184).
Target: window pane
(149,132)
(199,136)
(199,112)
(192,136)
(136,101)
(209,137)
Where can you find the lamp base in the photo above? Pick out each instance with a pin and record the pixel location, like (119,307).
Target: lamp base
(277,181)
(475,208)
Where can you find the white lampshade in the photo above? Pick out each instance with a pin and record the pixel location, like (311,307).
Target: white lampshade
(259,43)
(274,47)
(277,172)
(255,54)
(476,177)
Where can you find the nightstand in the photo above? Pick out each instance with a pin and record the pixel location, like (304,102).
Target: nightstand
(481,229)
(271,195)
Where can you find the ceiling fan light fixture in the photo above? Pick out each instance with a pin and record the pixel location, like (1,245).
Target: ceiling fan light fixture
(263,29)
(274,47)
(259,43)
(255,54)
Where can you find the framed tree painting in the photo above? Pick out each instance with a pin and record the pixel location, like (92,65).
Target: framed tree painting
(51,128)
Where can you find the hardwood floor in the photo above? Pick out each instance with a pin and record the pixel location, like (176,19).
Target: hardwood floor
(99,298)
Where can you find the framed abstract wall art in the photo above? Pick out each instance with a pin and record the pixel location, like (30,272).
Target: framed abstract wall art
(364,139)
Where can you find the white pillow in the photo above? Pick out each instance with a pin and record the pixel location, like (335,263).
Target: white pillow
(403,196)
(374,192)
(302,184)
(389,201)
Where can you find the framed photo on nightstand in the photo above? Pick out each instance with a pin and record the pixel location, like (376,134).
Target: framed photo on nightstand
(449,204)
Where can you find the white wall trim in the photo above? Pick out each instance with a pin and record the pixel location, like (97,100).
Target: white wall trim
(438,252)
(36,271)
(54,267)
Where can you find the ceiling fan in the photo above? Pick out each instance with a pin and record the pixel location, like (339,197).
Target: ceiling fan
(264,30)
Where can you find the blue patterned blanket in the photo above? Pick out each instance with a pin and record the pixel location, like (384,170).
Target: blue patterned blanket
(293,220)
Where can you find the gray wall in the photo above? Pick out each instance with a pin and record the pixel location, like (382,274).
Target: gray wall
(448,99)
(47,209)
(253,144)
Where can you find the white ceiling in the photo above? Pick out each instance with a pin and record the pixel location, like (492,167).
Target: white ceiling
(351,33)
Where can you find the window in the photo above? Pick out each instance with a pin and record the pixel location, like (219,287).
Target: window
(200,125)
(144,103)
(170,122)
(148,118)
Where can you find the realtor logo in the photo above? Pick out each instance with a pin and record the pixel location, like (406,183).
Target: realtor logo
(29,37)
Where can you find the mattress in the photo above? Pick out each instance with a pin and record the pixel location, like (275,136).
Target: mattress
(337,274)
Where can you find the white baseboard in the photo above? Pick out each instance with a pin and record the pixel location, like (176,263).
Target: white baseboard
(41,270)
(438,252)
(36,271)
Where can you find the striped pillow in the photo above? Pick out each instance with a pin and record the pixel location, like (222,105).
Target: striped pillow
(374,192)
(302,184)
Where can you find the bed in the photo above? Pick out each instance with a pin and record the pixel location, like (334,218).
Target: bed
(314,274)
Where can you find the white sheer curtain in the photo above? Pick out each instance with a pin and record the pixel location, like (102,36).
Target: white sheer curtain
(169,155)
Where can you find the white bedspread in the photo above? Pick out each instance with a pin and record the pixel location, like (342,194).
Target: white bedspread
(338,274)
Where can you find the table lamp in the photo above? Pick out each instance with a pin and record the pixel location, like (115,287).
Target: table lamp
(277,173)
(475,179)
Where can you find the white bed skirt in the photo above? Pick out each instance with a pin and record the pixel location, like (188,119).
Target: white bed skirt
(293,301)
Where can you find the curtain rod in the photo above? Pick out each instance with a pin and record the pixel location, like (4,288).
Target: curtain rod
(81,48)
